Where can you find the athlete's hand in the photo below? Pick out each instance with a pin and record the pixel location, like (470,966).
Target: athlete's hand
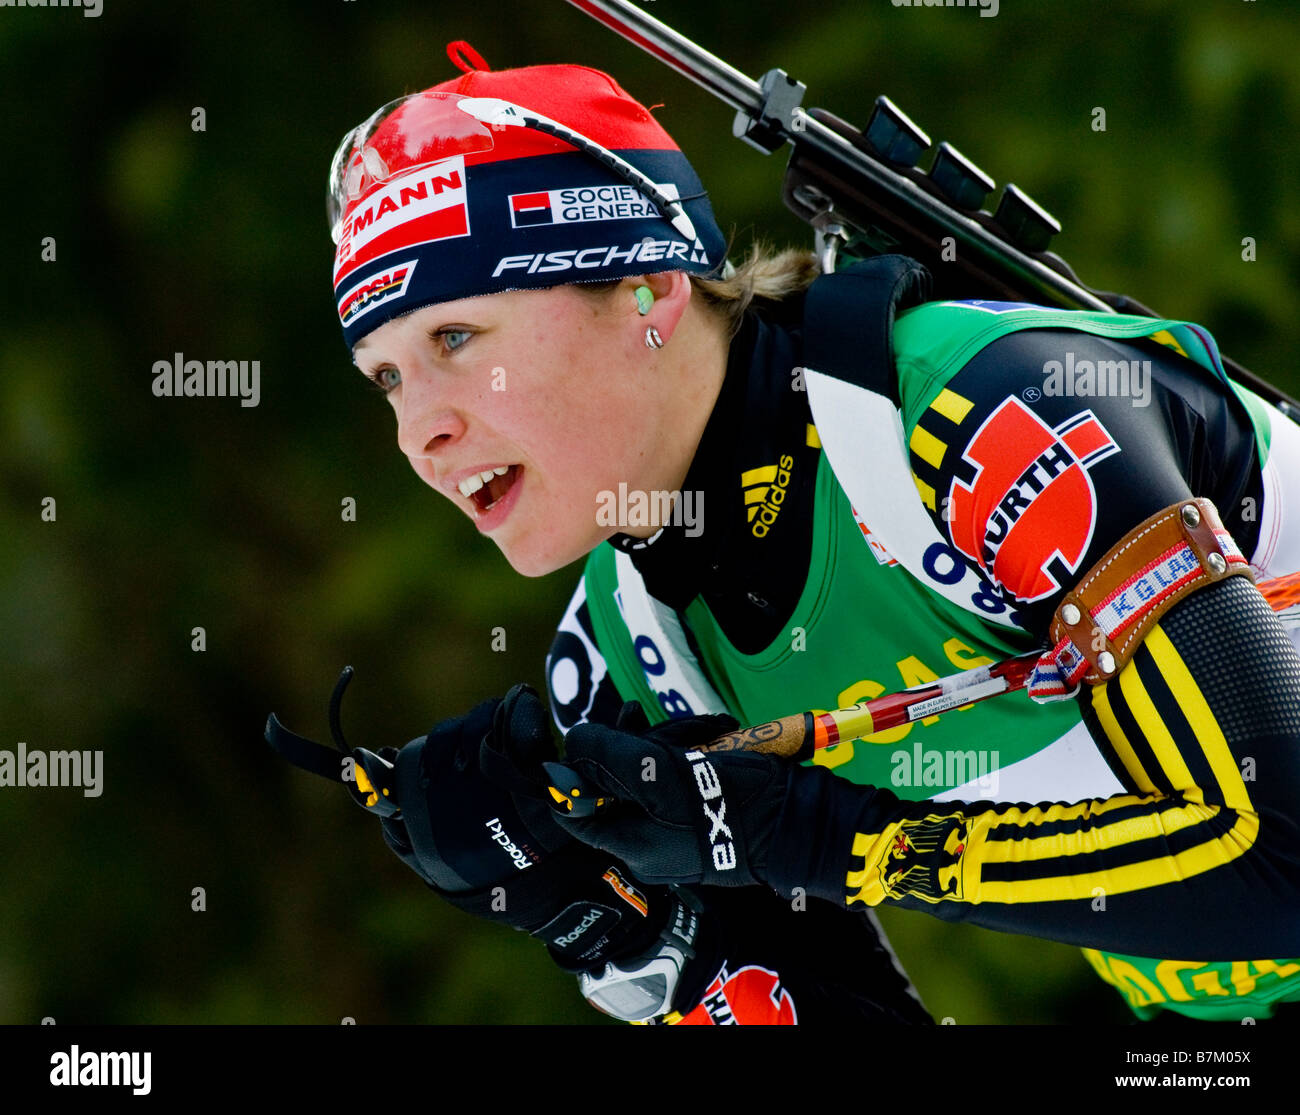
(678,816)
(474,824)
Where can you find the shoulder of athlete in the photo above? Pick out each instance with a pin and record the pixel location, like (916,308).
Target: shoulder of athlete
(1046,435)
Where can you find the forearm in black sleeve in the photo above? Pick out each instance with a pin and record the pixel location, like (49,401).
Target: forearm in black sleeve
(1201,860)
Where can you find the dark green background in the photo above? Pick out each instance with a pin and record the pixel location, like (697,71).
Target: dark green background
(177,513)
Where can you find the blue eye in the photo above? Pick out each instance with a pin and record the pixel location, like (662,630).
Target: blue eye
(386,379)
(447,338)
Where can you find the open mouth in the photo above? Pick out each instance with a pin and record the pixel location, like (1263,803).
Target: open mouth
(486,489)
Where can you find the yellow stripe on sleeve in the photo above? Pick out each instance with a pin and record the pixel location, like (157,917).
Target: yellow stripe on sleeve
(926,446)
(1123,749)
(867,884)
(926,491)
(952,406)
(1157,734)
(1162,870)
(1197,710)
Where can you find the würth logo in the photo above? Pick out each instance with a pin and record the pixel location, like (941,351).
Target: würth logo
(765,490)
(752,997)
(1028,511)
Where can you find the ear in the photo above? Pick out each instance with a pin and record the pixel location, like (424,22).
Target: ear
(672,291)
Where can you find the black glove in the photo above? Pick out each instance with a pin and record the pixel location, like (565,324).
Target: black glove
(677,816)
(495,850)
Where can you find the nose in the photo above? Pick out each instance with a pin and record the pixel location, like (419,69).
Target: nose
(425,422)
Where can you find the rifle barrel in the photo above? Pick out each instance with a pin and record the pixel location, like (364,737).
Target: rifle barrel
(741,92)
(1025,272)
(675,50)
(992,258)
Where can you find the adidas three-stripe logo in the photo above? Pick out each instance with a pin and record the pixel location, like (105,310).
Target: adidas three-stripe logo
(765,490)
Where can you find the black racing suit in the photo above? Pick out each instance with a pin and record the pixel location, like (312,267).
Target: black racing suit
(1192,441)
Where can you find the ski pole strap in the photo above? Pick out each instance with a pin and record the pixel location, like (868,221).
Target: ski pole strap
(304,753)
(371,784)
(1102,621)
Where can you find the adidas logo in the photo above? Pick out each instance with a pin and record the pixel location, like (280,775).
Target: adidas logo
(765,492)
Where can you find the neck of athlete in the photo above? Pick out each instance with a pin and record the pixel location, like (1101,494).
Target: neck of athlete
(689,372)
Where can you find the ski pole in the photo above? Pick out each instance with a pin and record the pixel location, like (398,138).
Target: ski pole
(799,736)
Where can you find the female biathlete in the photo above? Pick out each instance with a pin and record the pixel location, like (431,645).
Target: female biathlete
(798,492)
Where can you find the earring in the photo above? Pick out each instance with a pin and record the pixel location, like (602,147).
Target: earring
(644,300)
(652,338)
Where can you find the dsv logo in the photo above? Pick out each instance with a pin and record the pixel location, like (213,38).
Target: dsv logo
(706,781)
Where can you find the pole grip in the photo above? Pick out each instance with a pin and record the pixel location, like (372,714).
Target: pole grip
(791,737)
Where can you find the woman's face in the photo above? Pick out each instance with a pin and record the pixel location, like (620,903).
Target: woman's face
(548,393)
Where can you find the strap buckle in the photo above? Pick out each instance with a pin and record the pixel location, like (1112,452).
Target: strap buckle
(373,778)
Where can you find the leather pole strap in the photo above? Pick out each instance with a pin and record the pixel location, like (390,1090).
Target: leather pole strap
(1108,613)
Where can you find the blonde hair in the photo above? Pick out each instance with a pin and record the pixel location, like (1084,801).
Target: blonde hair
(765,277)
